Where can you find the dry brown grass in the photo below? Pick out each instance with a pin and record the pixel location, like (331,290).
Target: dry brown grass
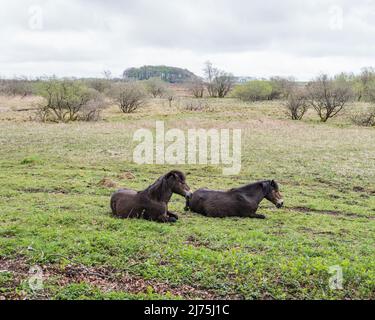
(18,108)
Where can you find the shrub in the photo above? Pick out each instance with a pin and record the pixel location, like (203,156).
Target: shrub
(129,96)
(219,83)
(197,106)
(296,103)
(196,88)
(253,90)
(370,94)
(156,87)
(281,87)
(365,119)
(364,82)
(67,101)
(328,96)
(170,95)
(223,84)
(100,85)
(16,87)
(94,106)
(31,160)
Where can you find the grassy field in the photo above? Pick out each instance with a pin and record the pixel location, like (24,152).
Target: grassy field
(54,210)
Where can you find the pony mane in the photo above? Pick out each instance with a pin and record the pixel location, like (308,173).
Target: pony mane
(177,173)
(157,187)
(259,183)
(160,186)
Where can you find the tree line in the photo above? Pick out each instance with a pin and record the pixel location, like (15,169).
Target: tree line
(84,99)
(327,95)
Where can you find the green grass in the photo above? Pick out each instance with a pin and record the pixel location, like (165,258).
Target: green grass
(54,212)
(84,291)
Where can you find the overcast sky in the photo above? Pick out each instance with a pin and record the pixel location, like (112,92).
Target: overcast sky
(248,38)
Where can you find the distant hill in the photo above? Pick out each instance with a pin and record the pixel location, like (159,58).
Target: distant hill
(168,74)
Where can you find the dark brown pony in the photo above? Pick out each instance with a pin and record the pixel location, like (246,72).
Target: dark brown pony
(239,202)
(152,203)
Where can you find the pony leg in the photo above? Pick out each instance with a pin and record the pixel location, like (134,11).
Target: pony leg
(253,214)
(164,218)
(257,216)
(172,215)
(187,206)
(168,217)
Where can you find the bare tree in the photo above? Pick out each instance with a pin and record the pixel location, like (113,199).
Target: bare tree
(366,77)
(100,85)
(296,103)
(219,83)
(129,96)
(16,87)
(223,84)
(281,87)
(156,87)
(170,95)
(211,73)
(107,74)
(367,117)
(328,96)
(196,88)
(94,106)
(370,93)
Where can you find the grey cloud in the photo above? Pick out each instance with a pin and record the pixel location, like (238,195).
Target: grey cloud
(115,32)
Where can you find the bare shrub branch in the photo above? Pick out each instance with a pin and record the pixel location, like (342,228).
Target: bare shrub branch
(296,103)
(156,87)
(196,88)
(281,87)
(328,96)
(129,96)
(67,101)
(170,95)
(365,119)
(16,87)
(219,83)
(197,106)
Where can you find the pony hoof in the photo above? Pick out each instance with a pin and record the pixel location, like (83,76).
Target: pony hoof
(172,220)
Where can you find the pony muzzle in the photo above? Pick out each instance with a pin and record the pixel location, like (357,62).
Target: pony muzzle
(279,204)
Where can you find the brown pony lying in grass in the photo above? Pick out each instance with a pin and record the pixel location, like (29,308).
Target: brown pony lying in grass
(240,202)
(152,203)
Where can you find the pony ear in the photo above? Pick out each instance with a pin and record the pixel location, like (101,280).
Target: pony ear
(274,185)
(178,176)
(172,174)
(265,187)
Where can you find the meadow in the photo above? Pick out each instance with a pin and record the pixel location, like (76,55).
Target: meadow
(54,208)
